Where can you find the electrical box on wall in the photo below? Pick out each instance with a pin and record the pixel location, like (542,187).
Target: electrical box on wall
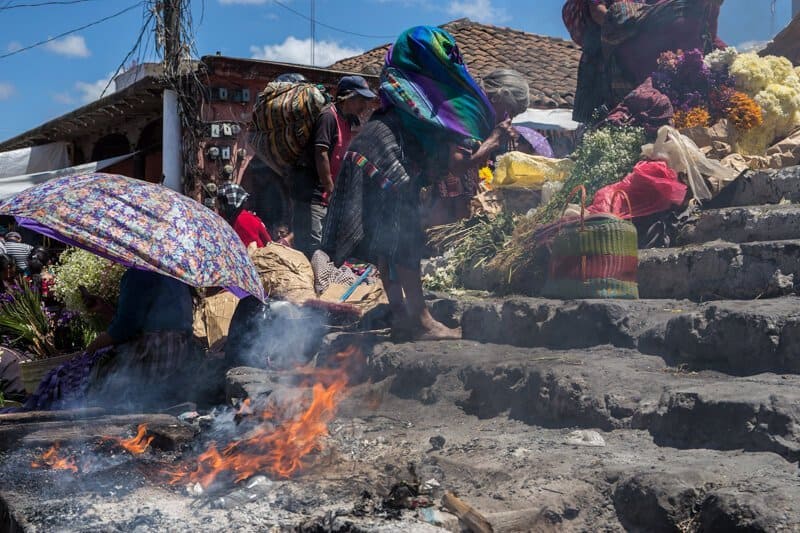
(218,94)
(226,130)
(215,130)
(225,153)
(240,95)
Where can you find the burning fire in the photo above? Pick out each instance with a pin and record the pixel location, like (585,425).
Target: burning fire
(51,458)
(282,444)
(137,444)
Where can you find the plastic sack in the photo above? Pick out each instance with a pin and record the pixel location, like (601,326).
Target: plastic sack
(683,155)
(516,169)
(213,317)
(651,187)
(285,273)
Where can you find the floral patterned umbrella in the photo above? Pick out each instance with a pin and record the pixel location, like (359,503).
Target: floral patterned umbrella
(141,225)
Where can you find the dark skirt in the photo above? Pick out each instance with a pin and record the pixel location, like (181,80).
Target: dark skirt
(374,214)
(592,88)
(151,370)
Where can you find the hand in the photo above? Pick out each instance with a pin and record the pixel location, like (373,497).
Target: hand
(95,304)
(327,185)
(501,132)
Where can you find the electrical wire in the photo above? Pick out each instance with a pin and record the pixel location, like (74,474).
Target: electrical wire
(42,4)
(95,23)
(147,22)
(334,28)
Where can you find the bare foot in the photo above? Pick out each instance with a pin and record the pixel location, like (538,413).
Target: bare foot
(436,331)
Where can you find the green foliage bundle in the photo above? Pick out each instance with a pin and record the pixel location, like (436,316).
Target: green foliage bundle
(24,319)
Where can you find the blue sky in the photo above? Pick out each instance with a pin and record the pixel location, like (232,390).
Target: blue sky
(42,83)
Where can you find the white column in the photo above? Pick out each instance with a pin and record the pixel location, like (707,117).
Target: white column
(171,156)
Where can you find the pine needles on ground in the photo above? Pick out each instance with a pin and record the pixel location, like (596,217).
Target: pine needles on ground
(471,243)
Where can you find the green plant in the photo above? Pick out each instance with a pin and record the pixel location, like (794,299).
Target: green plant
(604,157)
(24,319)
(78,268)
(471,243)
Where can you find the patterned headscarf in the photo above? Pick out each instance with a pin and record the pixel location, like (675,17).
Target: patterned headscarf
(426,79)
(233,194)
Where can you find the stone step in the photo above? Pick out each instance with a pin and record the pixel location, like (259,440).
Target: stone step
(720,270)
(762,187)
(732,336)
(604,387)
(743,224)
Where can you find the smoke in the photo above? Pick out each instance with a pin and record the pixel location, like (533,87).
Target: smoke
(273,335)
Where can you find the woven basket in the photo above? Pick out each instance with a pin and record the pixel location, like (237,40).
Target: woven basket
(593,256)
(32,372)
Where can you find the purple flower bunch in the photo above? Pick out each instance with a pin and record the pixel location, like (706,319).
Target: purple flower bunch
(684,78)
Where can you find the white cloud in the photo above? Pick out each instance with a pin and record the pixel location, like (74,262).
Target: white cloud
(91,91)
(63,98)
(477,10)
(294,50)
(751,46)
(6,91)
(13,46)
(71,46)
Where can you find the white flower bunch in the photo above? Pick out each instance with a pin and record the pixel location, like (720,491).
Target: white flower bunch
(81,268)
(721,60)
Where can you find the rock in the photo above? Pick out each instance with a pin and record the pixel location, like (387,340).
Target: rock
(743,224)
(437,442)
(585,437)
(738,337)
(716,270)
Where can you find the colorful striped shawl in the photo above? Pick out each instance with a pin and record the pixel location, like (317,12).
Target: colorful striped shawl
(425,77)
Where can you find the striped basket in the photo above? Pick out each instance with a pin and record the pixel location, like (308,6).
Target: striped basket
(593,256)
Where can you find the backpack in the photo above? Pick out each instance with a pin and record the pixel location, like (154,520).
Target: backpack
(284,115)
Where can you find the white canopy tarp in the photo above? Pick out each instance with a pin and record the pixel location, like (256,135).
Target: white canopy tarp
(34,159)
(547,119)
(14,184)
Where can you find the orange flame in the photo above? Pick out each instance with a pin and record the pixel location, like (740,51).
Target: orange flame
(282,446)
(51,458)
(137,444)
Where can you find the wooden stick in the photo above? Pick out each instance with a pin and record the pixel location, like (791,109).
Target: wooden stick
(474,520)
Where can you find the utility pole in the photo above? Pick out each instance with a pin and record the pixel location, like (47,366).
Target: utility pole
(313,19)
(171,135)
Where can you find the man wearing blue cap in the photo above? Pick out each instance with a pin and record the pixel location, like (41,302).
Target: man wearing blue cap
(313,182)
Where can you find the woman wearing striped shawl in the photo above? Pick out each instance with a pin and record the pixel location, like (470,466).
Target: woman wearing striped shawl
(430,102)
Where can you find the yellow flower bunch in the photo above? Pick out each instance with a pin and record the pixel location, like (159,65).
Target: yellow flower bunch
(696,116)
(774,85)
(751,73)
(486,176)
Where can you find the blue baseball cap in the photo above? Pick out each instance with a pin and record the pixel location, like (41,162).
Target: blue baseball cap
(354,84)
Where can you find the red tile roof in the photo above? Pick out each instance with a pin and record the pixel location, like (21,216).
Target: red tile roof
(549,63)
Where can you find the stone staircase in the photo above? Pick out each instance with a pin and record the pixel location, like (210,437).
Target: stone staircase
(745,248)
(695,387)
(708,359)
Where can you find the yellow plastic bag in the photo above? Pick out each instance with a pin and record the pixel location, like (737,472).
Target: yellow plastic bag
(516,169)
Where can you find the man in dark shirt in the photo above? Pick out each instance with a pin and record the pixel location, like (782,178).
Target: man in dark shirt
(313,180)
